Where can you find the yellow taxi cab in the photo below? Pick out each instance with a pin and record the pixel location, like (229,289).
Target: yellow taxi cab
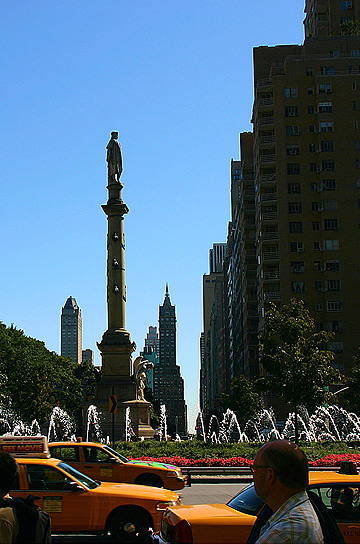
(79,504)
(101,462)
(231,523)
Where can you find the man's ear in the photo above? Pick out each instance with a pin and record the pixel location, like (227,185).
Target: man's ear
(272,476)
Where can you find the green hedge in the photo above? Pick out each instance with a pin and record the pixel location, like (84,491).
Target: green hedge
(196,449)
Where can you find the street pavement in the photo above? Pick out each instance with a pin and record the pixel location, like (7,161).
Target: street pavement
(198,493)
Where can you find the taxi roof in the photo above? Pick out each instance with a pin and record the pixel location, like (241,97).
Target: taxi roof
(76,443)
(332,476)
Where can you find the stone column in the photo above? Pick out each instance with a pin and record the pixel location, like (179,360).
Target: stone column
(116,346)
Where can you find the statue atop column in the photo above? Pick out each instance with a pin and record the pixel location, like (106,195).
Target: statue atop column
(114,159)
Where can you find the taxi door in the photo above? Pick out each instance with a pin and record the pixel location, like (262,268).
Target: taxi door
(343,501)
(70,506)
(98,464)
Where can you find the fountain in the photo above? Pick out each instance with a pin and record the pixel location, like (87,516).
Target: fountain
(93,418)
(61,426)
(327,423)
(163,423)
(129,431)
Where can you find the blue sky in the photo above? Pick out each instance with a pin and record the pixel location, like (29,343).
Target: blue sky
(175,79)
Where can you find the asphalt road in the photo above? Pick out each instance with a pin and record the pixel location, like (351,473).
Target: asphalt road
(196,494)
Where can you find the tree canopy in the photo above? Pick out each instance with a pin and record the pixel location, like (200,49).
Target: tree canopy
(295,358)
(34,380)
(243,400)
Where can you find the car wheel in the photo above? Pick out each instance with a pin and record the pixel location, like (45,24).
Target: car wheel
(129,525)
(149,479)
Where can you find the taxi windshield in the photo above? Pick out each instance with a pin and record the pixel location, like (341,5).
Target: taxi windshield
(89,483)
(116,454)
(246,501)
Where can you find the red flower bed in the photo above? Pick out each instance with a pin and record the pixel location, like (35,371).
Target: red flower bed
(335,460)
(328,461)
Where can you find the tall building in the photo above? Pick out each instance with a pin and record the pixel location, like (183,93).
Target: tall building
(71,330)
(307,173)
(168,383)
(88,355)
(151,353)
(212,341)
(295,193)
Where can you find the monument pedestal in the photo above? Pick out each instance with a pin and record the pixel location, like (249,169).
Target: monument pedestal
(140,418)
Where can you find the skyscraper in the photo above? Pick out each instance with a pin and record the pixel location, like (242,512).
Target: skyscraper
(71,330)
(295,193)
(307,173)
(168,383)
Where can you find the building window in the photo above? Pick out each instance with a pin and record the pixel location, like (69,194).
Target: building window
(316,225)
(311,110)
(319,306)
(330,224)
(292,130)
(328,185)
(333,306)
(298,287)
(326,126)
(332,266)
(327,166)
(314,187)
(313,167)
(318,286)
(312,148)
(331,245)
(333,285)
(294,188)
(325,107)
(293,168)
(345,4)
(296,247)
(335,326)
(297,267)
(315,206)
(356,125)
(290,92)
(295,227)
(329,205)
(334,54)
(310,90)
(295,207)
(336,347)
(311,128)
(291,111)
(317,246)
(292,149)
(327,145)
(309,72)
(327,70)
(324,88)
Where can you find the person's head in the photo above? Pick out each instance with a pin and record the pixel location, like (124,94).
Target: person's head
(280,467)
(115,135)
(9,470)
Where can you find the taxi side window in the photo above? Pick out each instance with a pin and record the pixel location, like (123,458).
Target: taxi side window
(342,500)
(41,477)
(66,453)
(96,455)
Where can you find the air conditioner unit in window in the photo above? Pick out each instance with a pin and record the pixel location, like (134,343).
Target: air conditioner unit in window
(300,250)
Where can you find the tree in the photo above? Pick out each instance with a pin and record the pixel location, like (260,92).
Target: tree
(350,397)
(350,28)
(243,400)
(34,379)
(296,360)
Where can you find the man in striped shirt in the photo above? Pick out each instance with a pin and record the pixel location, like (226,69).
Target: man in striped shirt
(281,476)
